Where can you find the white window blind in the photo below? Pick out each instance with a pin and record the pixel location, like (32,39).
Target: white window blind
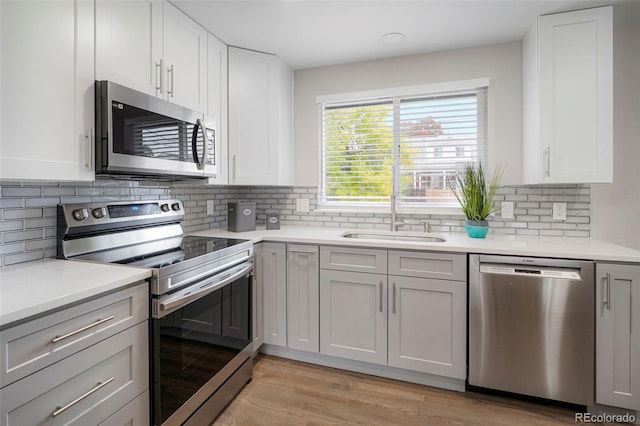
(409,145)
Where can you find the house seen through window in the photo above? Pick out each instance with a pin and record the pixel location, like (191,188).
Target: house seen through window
(410,145)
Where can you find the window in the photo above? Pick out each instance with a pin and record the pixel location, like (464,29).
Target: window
(409,144)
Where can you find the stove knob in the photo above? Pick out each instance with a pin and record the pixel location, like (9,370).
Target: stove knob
(175,207)
(98,213)
(80,214)
(164,207)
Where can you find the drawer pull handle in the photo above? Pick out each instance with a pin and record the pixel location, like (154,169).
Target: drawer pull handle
(394,298)
(380,296)
(80,330)
(100,385)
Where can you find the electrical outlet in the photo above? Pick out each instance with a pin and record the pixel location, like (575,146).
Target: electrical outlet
(559,211)
(506,209)
(210,207)
(302,205)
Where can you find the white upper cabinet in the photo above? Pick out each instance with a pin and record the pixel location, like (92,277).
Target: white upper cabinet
(153,47)
(260,99)
(217,105)
(568,98)
(129,43)
(46,90)
(185,60)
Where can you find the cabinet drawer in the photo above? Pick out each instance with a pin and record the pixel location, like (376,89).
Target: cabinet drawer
(31,346)
(428,265)
(353,259)
(134,413)
(85,388)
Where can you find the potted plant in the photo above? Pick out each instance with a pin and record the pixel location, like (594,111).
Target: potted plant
(475,194)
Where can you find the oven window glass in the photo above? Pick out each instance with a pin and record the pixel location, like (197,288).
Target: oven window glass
(193,344)
(146,134)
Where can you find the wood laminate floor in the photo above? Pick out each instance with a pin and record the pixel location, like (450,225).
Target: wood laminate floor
(285,392)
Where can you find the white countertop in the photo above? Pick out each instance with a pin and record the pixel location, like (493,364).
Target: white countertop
(519,245)
(32,288)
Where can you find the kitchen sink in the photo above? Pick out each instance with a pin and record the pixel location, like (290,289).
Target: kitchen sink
(399,236)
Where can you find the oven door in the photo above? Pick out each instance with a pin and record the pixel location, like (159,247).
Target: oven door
(200,336)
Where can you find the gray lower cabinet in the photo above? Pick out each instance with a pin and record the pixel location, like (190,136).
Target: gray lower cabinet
(134,413)
(274,287)
(85,388)
(257,298)
(303,297)
(427,325)
(33,345)
(618,335)
(353,315)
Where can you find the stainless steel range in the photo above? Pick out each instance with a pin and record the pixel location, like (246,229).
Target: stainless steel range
(200,289)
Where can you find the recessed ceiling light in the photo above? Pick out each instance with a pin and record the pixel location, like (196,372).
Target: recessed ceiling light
(392,38)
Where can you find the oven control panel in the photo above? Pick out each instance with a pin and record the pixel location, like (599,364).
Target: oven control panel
(120,211)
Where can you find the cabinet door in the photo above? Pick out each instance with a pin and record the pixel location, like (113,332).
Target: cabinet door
(46,90)
(257,298)
(185,59)
(618,335)
(217,105)
(576,96)
(254,87)
(274,283)
(353,315)
(85,388)
(303,298)
(129,44)
(427,325)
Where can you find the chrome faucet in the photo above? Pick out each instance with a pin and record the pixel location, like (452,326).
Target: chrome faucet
(395,224)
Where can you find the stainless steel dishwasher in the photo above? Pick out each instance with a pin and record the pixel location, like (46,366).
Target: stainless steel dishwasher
(532,326)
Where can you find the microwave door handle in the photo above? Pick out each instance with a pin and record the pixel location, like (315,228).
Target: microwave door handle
(205,140)
(194,140)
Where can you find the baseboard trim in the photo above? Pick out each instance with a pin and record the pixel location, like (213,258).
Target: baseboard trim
(366,368)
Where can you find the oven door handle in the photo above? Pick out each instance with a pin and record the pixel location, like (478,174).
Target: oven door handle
(195,292)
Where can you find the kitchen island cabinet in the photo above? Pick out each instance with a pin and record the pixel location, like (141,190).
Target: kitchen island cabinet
(618,335)
(46,90)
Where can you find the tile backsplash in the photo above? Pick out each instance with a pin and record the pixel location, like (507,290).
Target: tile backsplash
(28,210)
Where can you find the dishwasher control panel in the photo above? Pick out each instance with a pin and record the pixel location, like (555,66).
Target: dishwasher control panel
(569,274)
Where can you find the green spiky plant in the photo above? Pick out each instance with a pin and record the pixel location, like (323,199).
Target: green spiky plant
(474,193)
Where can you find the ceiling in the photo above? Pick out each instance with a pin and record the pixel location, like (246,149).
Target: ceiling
(311,33)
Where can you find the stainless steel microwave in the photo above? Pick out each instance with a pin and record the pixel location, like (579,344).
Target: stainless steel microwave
(139,135)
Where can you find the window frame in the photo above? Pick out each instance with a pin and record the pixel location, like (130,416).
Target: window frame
(372,96)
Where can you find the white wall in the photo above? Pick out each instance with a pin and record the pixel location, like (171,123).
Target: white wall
(615,208)
(502,63)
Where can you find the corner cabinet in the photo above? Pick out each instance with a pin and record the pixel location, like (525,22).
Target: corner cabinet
(274,287)
(618,335)
(46,90)
(152,47)
(260,119)
(568,98)
(303,304)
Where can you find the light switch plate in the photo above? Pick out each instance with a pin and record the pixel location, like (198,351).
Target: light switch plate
(302,205)
(559,211)
(506,209)
(210,207)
